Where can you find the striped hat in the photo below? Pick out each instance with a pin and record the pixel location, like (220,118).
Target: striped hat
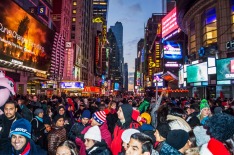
(99,116)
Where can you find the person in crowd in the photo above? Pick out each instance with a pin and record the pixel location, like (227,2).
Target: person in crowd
(80,125)
(161,135)
(124,122)
(57,134)
(10,115)
(24,110)
(126,138)
(93,142)
(194,149)
(176,120)
(220,128)
(35,103)
(67,148)
(140,144)
(201,135)
(79,112)
(67,120)
(205,112)
(112,116)
(21,142)
(38,127)
(177,142)
(192,118)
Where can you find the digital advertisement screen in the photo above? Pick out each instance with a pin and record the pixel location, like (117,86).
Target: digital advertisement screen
(197,73)
(172,50)
(68,85)
(157,77)
(181,76)
(225,69)
(23,38)
(116,86)
(169,23)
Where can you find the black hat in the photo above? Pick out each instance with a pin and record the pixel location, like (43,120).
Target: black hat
(177,138)
(57,117)
(163,129)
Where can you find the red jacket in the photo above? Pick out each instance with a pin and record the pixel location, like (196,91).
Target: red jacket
(116,145)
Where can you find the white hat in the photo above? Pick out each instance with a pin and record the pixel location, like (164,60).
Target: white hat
(127,134)
(93,133)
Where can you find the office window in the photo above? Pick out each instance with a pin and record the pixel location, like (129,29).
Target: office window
(232,17)
(74,3)
(192,37)
(209,27)
(74,11)
(73,19)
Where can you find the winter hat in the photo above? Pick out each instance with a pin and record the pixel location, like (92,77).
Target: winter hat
(127,111)
(147,117)
(57,117)
(201,136)
(127,134)
(220,126)
(177,138)
(21,127)
(38,111)
(204,104)
(163,129)
(99,116)
(93,133)
(86,114)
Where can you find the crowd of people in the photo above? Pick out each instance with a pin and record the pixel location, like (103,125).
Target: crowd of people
(63,125)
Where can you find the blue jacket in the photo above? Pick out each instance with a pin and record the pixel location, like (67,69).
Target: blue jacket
(168,150)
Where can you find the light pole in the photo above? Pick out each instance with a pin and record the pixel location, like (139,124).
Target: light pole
(156,92)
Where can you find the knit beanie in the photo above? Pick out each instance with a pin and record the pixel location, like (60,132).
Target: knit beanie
(86,114)
(204,104)
(177,138)
(38,111)
(146,116)
(57,117)
(201,136)
(99,116)
(21,127)
(93,133)
(127,134)
(127,112)
(163,129)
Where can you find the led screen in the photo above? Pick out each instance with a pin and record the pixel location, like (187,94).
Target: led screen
(225,69)
(23,38)
(172,50)
(68,85)
(181,76)
(116,86)
(197,73)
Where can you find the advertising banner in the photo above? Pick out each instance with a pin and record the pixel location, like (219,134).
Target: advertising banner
(225,69)
(172,50)
(197,73)
(23,38)
(169,23)
(68,85)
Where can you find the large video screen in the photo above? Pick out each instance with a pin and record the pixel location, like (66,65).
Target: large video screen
(197,73)
(23,38)
(172,50)
(225,69)
(169,23)
(181,76)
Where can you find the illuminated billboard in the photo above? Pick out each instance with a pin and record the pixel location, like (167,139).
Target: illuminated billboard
(197,73)
(172,50)
(225,69)
(181,76)
(23,38)
(74,85)
(169,23)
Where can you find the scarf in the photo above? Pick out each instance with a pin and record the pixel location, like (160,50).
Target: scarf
(39,119)
(24,151)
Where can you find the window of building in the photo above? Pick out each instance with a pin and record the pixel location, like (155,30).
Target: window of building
(74,11)
(73,19)
(73,27)
(209,27)
(72,36)
(232,17)
(74,3)
(192,37)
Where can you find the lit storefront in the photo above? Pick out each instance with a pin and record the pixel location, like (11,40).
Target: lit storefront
(72,88)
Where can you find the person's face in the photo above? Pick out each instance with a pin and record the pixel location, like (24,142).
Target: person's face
(130,102)
(134,147)
(47,127)
(84,120)
(89,143)
(18,142)
(205,112)
(34,98)
(10,110)
(120,114)
(41,115)
(60,122)
(61,111)
(192,110)
(94,122)
(20,102)
(188,111)
(113,106)
(63,150)
(125,146)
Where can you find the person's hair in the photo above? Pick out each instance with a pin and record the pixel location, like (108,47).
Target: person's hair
(192,139)
(71,145)
(146,141)
(11,102)
(177,112)
(111,103)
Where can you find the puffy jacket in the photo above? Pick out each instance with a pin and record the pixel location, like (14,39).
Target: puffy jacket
(100,148)
(168,150)
(76,130)
(55,137)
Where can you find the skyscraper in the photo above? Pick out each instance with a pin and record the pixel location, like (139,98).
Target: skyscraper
(100,9)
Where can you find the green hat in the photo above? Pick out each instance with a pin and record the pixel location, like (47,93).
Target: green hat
(204,104)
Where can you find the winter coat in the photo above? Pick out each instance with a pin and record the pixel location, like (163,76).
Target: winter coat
(55,137)
(38,131)
(34,150)
(111,119)
(178,123)
(168,150)
(76,130)
(153,112)
(5,127)
(26,113)
(100,148)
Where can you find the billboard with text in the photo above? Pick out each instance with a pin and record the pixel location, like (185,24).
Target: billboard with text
(169,23)
(23,38)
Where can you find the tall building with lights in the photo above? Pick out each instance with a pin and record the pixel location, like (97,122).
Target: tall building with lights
(100,9)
